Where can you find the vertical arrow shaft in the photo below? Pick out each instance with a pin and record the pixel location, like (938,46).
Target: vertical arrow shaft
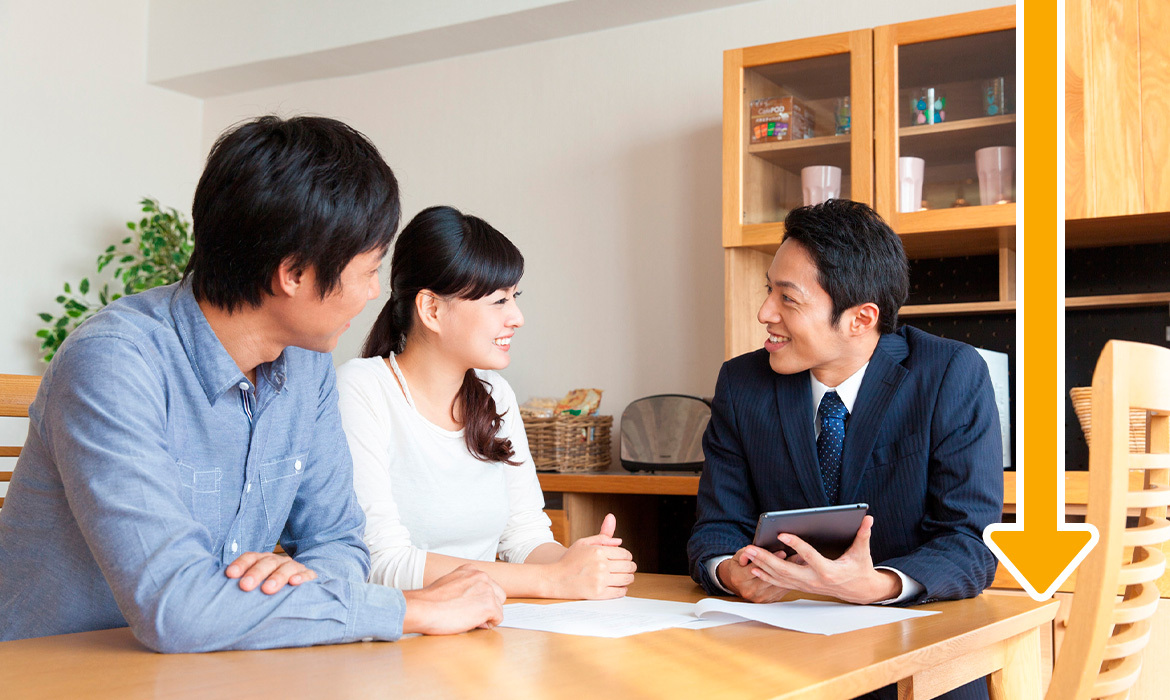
(1041,303)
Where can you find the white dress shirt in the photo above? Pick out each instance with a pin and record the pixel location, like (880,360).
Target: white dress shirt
(847,392)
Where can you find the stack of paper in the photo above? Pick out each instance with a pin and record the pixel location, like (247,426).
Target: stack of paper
(626,616)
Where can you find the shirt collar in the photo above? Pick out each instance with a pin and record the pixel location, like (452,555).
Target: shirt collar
(213,366)
(846,390)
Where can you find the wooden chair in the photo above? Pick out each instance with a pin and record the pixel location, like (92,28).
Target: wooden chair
(17,391)
(1102,652)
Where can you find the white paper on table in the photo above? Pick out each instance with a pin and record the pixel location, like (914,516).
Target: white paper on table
(627,616)
(594,621)
(813,616)
(649,606)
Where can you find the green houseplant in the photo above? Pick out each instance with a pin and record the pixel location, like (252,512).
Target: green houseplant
(156,255)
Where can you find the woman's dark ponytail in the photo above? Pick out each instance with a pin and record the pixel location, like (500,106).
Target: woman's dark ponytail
(389,332)
(454,254)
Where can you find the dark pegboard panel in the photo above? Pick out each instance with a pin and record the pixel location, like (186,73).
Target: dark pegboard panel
(954,280)
(1131,269)
(989,331)
(1086,332)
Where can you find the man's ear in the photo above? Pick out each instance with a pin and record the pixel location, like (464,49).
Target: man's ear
(288,279)
(863,319)
(427,306)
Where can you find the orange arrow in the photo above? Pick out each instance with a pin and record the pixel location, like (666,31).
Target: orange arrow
(1043,550)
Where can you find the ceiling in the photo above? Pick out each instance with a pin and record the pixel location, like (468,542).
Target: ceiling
(219,47)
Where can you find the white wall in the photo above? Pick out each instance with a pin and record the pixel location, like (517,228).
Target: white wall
(82,139)
(599,155)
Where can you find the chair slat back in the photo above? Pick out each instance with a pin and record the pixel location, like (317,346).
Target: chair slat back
(1102,652)
(17,391)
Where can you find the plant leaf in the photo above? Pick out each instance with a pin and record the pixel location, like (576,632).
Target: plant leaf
(47,318)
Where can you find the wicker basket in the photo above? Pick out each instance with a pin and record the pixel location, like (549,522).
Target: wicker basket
(1082,398)
(569,443)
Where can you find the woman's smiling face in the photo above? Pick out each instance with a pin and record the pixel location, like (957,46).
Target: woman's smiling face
(479,331)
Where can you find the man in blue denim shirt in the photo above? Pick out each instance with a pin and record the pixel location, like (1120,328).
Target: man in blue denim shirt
(182,432)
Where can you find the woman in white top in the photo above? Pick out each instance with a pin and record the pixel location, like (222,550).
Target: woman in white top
(441,463)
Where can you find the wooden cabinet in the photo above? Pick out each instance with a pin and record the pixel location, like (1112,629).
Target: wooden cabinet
(879,70)
(1117,98)
(761,182)
(954,57)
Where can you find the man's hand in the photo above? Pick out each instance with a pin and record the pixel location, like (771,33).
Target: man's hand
(850,578)
(462,600)
(736,575)
(274,570)
(594,567)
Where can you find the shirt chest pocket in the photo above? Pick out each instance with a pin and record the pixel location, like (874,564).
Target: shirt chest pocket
(279,481)
(200,493)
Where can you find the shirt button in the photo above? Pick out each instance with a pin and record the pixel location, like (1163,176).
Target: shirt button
(243,386)
(248,488)
(235,546)
(297,465)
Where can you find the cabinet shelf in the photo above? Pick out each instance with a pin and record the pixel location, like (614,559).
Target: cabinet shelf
(794,155)
(1136,229)
(1116,301)
(959,309)
(955,142)
(920,130)
(931,233)
(1105,301)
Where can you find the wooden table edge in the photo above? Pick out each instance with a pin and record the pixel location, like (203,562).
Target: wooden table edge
(906,665)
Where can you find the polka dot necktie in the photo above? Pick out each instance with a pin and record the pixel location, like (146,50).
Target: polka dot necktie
(831,415)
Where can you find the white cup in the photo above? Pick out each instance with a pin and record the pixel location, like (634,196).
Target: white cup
(820,183)
(997,169)
(910,173)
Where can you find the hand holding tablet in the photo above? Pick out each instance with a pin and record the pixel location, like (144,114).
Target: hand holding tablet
(830,529)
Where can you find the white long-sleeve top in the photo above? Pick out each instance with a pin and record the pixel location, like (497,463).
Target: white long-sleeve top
(422,490)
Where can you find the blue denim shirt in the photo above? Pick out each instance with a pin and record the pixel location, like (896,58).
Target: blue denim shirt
(151,463)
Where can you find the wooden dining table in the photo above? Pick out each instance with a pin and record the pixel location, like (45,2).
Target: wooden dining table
(994,636)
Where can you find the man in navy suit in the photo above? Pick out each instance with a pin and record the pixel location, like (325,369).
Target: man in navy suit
(839,407)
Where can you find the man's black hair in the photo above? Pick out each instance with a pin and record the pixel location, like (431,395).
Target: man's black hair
(858,256)
(310,190)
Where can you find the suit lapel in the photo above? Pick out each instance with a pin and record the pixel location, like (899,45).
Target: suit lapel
(882,379)
(794,404)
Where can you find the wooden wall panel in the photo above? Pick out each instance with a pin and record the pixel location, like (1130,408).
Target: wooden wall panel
(1078,180)
(1154,31)
(1113,107)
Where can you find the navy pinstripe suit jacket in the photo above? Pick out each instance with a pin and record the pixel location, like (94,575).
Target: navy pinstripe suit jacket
(922,448)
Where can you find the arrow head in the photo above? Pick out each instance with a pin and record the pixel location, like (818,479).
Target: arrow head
(1040,558)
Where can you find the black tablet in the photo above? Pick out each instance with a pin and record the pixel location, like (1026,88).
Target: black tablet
(830,529)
